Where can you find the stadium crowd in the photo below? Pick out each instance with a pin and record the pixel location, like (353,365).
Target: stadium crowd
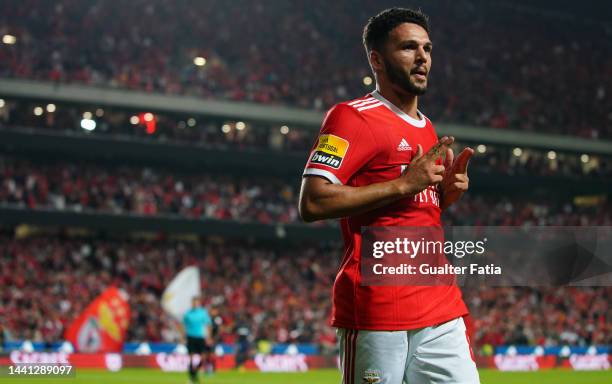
(50,280)
(541,316)
(533,78)
(284,293)
(146,191)
(124,189)
(545,210)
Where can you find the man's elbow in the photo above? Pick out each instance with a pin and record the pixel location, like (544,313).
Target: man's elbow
(308,210)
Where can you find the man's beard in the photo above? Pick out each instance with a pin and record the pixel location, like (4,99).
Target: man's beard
(398,77)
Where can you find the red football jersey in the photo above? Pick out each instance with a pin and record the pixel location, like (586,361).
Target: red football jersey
(367,141)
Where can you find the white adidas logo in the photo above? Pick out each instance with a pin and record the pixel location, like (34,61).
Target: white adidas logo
(404,146)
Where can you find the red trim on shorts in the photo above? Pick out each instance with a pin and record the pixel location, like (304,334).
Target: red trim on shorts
(354,353)
(344,338)
(347,357)
(350,351)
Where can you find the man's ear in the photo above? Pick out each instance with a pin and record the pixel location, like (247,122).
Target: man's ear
(376,61)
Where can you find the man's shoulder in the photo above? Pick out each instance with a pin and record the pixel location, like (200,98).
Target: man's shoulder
(353,112)
(358,106)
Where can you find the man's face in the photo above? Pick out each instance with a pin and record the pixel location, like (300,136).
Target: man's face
(407,58)
(195,302)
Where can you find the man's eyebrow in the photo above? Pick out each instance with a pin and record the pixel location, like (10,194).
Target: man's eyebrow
(412,41)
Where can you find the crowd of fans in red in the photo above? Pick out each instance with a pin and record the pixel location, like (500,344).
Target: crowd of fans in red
(494,63)
(124,189)
(541,316)
(285,293)
(49,280)
(82,187)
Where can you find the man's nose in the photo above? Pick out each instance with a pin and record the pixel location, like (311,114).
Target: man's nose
(421,55)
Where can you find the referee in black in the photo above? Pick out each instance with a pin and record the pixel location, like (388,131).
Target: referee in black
(197,326)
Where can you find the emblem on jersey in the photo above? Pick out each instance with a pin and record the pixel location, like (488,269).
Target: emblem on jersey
(330,151)
(404,146)
(372,376)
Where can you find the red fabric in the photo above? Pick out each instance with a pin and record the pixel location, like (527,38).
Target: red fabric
(372,138)
(102,326)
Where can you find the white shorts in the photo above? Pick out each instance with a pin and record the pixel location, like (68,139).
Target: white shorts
(437,354)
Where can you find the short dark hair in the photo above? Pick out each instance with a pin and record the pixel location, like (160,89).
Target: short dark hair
(377,29)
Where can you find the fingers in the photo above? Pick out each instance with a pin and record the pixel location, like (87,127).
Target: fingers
(462,177)
(439,148)
(450,156)
(438,169)
(437,174)
(461,182)
(419,153)
(463,160)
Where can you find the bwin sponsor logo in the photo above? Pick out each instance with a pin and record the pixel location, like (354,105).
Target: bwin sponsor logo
(332,161)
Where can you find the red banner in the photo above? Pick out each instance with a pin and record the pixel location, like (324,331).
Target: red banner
(101,327)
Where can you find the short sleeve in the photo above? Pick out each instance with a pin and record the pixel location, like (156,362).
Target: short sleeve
(206,318)
(344,145)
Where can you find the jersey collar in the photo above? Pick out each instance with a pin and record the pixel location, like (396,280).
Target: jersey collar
(401,114)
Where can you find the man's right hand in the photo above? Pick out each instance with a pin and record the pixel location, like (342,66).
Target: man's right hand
(423,170)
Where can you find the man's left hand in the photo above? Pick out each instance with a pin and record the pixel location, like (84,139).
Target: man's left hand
(456,180)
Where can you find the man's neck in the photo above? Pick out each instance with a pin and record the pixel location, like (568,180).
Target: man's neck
(406,102)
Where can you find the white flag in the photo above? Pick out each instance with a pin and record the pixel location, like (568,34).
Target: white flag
(177,297)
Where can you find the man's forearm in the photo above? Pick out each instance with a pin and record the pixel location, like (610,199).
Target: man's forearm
(342,200)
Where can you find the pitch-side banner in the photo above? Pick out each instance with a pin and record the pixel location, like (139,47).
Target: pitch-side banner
(102,325)
(494,256)
(284,363)
(177,297)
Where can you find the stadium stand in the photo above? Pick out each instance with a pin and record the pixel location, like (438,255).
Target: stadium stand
(225,135)
(509,83)
(146,191)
